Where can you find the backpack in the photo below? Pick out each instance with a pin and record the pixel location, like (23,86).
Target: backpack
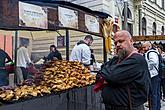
(161,68)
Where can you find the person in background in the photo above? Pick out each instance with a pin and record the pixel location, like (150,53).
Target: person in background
(139,48)
(23,60)
(152,58)
(92,57)
(4,58)
(126,82)
(54,54)
(81,51)
(92,61)
(160,50)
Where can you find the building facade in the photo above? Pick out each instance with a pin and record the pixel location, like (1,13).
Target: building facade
(153,17)
(144,17)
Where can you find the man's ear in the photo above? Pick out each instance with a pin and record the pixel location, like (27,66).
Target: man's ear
(131,41)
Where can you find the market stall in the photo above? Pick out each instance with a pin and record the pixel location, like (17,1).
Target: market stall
(59,18)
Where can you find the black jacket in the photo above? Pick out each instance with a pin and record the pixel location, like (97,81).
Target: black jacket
(131,73)
(3,57)
(56,54)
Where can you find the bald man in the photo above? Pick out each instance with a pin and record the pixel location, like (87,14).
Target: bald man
(152,58)
(126,76)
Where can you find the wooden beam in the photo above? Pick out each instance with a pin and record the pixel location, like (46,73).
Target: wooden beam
(149,38)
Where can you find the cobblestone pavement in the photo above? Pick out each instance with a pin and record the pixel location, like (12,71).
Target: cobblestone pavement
(162,106)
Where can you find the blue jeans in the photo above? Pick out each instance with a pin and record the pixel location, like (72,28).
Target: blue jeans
(163,86)
(155,93)
(24,73)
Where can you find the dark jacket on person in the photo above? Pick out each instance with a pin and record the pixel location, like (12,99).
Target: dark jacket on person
(56,54)
(130,74)
(3,57)
(92,59)
(3,72)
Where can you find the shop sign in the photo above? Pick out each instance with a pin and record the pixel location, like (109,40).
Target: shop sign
(60,41)
(32,16)
(68,18)
(92,23)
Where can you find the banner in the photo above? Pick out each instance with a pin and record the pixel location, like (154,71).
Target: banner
(68,17)
(92,23)
(32,16)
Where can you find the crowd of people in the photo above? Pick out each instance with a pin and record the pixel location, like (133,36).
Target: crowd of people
(155,58)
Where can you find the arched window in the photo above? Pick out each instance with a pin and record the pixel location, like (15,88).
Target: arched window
(129,16)
(162,30)
(154,29)
(144,30)
(163,4)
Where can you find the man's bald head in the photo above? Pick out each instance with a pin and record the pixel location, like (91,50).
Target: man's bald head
(123,33)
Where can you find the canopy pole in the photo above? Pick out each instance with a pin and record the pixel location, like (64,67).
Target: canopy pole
(104,51)
(67,44)
(15,47)
(4,42)
(125,14)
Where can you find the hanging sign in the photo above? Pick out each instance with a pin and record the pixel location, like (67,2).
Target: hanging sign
(32,16)
(68,17)
(92,23)
(60,41)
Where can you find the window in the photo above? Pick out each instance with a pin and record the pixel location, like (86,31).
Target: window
(154,29)
(163,4)
(129,14)
(130,28)
(129,25)
(162,30)
(144,30)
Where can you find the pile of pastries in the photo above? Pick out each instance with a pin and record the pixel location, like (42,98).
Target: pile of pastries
(57,76)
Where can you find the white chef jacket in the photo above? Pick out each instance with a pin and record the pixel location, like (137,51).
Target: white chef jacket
(22,57)
(81,53)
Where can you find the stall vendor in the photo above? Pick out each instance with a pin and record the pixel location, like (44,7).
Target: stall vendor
(4,58)
(81,51)
(54,54)
(23,60)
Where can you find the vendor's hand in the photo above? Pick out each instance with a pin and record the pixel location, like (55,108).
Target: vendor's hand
(98,76)
(31,63)
(105,82)
(55,58)
(88,67)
